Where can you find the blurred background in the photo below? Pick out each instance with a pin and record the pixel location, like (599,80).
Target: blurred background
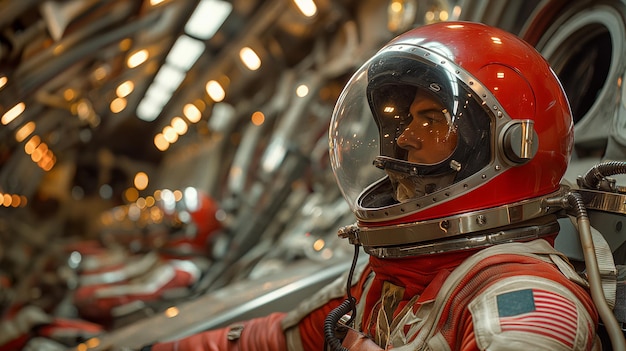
(164,163)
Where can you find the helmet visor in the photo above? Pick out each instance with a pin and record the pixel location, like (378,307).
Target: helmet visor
(415,125)
(416,121)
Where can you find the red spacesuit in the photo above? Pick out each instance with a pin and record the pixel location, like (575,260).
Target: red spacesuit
(469,133)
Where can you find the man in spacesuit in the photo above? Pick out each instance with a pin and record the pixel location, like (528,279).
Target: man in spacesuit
(448,144)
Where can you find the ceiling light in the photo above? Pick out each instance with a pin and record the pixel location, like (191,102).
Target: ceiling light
(32,144)
(192,113)
(178,195)
(137,58)
(456,12)
(13,113)
(302,90)
(125,89)
(274,155)
(158,95)
(215,91)
(38,153)
(168,201)
(207,18)
(171,312)
(258,118)
(190,198)
(396,6)
(169,77)
(141,180)
(24,131)
(179,125)
(69,94)
(166,81)
(148,110)
(125,44)
(131,194)
(3,81)
(307,7)
(118,105)
(222,116)
(160,142)
(6,200)
(185,52)
(141,202)
(101,72)
(15,200)
(46,159)
(250,58)
(170,134)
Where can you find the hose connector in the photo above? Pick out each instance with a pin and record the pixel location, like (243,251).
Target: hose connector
(597,177)
(350,232)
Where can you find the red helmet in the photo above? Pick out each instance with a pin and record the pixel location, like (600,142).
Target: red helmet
(197,213)
(444,122)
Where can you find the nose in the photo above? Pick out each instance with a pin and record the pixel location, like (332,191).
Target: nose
(409,140)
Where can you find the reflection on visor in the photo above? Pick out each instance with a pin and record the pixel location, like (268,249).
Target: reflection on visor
(420,132)
(407,187)
(427,136)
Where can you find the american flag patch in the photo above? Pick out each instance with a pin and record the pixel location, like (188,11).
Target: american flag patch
(538,312)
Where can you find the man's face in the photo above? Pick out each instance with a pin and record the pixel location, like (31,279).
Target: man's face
(429,138)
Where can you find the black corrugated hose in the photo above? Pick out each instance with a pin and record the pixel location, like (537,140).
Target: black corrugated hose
(592,178)
(349,305)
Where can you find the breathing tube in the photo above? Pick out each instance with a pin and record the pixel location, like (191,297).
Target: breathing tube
(594,177)
(349,305)
(613,328)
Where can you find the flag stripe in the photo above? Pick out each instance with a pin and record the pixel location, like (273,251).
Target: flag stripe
(567,340)
(542,322)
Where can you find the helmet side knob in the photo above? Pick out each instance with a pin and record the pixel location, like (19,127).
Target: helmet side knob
(519,141)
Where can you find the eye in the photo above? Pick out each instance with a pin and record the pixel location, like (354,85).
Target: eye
(433,118)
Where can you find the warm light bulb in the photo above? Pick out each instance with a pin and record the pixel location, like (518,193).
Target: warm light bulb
(24,131)
(137,58)
(13,113)
(125,88)
(141,180)
(250,58)
(307,7)
(192,113)
(215,91)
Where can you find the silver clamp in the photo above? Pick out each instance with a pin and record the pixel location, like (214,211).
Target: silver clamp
(350,232)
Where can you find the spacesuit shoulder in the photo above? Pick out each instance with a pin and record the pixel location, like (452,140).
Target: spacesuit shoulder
(531,312)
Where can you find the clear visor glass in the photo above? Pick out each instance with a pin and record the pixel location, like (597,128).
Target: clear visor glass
(415,125)
(410,121)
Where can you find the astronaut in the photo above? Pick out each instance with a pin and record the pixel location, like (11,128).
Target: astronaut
(449,145)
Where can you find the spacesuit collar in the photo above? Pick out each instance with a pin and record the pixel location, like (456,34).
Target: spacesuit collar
(415,273)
